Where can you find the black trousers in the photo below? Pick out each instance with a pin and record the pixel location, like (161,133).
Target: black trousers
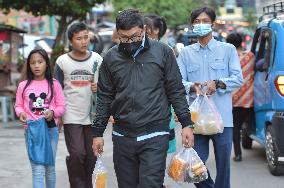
(241,116)
(140,164)
(81,160)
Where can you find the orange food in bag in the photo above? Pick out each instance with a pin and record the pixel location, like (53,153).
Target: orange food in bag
(101,180)
(194,116)
(177,169)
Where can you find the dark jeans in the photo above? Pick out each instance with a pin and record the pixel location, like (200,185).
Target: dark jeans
(140,164)
(222,149)
(241,116)
(81,162)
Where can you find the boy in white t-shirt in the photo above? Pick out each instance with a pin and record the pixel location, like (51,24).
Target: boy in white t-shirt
(77,71)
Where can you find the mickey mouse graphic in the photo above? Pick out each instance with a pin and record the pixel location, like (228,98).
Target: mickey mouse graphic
(37,106)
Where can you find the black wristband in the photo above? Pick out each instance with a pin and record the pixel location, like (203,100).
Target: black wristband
(220,84)
(217,84)
(191,88)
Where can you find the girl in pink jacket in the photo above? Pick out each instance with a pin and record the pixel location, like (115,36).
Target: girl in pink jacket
(38,97)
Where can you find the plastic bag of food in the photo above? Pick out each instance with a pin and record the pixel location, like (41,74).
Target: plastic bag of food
(178,166)
(186,166)
(197,171)
(209,120)
(99,177)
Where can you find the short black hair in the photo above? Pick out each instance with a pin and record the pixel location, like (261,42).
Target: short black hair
(149,23)
(129,18)
(235,39)
(209,11)
(159,22)
(75,28)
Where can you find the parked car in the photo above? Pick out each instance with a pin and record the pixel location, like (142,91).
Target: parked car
(268,47)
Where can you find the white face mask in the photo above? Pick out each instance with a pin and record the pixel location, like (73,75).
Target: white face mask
(202,29)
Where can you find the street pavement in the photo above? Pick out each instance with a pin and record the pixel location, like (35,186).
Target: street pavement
(15,169)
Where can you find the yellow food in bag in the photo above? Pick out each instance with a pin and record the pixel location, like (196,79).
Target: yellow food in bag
(196,166)
(101,180)
(199,171)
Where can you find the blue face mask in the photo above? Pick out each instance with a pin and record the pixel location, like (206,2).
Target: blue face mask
(202,29)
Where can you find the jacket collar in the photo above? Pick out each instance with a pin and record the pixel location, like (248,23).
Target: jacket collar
(210,45)
(146,43)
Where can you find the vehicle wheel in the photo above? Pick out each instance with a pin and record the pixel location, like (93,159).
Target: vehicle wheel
(246,140)
(272,154)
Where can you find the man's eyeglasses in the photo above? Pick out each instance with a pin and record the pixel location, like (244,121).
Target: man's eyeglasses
(134,38)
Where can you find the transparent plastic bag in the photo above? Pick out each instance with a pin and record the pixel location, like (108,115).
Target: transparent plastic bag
(197,171)
(178,165)
(209,121)
(99,177)
(186,166)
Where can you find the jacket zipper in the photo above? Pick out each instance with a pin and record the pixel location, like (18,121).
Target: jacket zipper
(134,88)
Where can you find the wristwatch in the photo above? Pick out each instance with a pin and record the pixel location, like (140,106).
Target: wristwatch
(220,84)
(217,83)
(191,88)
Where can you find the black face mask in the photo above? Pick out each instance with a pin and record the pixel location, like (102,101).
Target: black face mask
(130,48)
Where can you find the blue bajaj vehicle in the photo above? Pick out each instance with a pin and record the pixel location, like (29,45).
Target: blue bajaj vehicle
(268,47)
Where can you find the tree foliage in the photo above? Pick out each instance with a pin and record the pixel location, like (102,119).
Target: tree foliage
(72,8)
(66,11)
(176,12)
(251,18)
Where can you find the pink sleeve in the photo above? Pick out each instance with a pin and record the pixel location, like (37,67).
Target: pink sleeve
(19,104)
(58,105)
